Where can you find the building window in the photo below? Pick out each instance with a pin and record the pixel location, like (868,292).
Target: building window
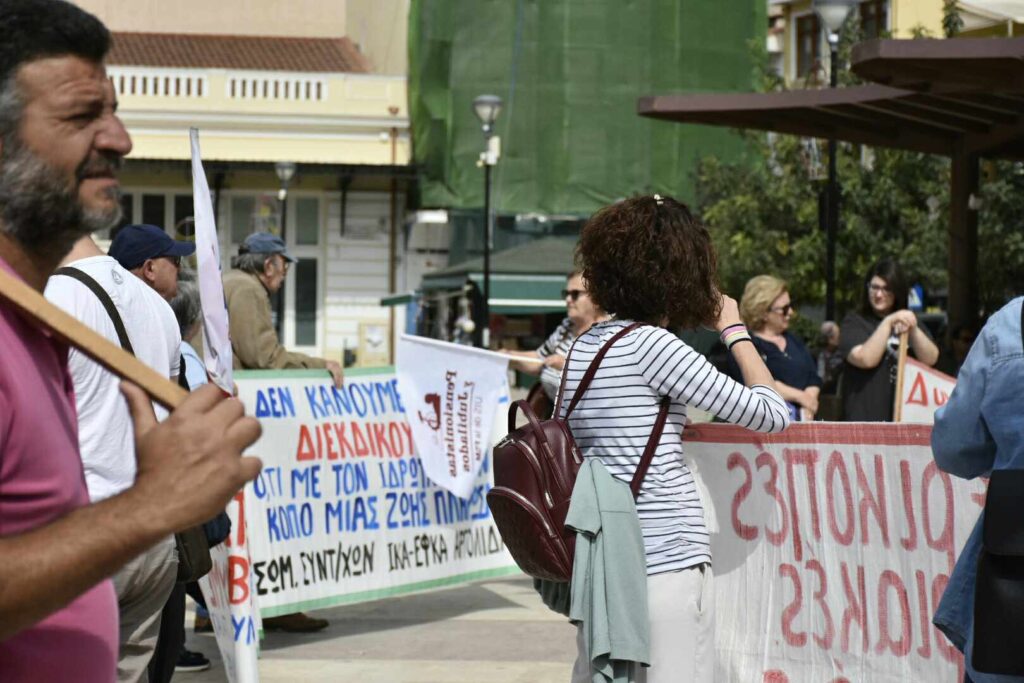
(808,43)
(307,220)
(306,279)
(153,210)
(874,18)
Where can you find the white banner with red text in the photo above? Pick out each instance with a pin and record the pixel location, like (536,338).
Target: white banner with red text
(343,510)
(832,544)
(925,390)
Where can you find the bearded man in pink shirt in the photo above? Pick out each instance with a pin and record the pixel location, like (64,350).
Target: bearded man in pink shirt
(61,145)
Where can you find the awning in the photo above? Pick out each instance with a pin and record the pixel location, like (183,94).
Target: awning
(525,279)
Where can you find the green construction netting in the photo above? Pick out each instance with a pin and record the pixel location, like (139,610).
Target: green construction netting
(570,73)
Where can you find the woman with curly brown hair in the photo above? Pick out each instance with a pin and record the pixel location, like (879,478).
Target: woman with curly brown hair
(647,259)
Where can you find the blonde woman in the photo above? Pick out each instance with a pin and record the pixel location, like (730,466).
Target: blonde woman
(767,309)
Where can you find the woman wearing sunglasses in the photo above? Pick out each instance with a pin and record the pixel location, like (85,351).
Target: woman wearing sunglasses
(870,344)
(767,309)
(581,313)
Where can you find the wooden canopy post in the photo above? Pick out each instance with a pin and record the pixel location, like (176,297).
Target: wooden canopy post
(963,240)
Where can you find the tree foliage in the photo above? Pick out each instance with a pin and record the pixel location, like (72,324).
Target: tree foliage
(763,212)
(764,215)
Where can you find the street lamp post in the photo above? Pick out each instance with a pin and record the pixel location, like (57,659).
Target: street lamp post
(285,172)
(832,13)
(487,108)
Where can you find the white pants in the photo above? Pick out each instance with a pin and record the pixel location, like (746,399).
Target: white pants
(143,586)
(681,607)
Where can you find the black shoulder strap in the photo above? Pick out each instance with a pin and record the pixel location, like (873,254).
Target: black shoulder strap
(101,294)
(182,380)
(1022,322)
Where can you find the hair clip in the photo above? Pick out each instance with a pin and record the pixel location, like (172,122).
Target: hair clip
(658,199)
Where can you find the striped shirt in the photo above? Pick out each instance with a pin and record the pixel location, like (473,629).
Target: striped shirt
(613,422)
(558,343)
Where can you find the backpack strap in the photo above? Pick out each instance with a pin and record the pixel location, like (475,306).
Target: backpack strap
(108,304)
(588,376)
(652,446)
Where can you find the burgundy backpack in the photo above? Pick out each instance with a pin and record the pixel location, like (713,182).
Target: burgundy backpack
(535,470)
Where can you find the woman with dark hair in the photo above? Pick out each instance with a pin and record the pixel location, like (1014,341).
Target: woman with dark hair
(870,345)
(648,260)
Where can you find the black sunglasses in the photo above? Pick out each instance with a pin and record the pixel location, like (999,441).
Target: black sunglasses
(572,294)
(783,310)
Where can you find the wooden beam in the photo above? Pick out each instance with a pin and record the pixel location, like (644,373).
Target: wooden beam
(963,239)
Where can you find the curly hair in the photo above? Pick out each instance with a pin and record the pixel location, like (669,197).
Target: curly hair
(758,296)
(648,258)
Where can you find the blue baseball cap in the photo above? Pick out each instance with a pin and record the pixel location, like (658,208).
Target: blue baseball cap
(265,243)
(135,244)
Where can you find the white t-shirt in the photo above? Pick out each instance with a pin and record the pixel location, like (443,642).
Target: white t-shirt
(105,434)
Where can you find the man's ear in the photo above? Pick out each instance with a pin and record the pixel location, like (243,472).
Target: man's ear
(149,270)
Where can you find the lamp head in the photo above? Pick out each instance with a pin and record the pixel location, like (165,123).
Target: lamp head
(833,13)
(285,171)
(487,108)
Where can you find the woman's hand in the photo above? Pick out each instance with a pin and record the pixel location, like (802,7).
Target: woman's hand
(808,401)
(902,321)
(555,360)
(730,314)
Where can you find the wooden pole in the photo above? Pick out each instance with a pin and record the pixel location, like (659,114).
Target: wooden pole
(897,412)
(40,312)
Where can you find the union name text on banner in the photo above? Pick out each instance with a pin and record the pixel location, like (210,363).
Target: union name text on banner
(452,393)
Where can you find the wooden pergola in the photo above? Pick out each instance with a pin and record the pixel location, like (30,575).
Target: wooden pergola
(960,98)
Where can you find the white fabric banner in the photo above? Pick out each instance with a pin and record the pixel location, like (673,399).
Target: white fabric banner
(216,342)
(227,589)
(343,511)
(832,545)
(230,599)
(451,393)
(925,390)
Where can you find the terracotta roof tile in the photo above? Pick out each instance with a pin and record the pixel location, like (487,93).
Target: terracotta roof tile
(259,53)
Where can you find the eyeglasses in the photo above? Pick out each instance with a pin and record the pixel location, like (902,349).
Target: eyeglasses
(782,310)
(879,289)
(572,294)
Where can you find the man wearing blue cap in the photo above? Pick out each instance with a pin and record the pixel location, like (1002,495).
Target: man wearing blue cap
(151,254)
(258,272)
(105,432)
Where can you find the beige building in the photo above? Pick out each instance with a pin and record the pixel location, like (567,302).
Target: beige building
(315,85)
(798,46)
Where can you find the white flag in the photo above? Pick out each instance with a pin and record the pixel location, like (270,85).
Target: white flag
(216,342)
(450,394)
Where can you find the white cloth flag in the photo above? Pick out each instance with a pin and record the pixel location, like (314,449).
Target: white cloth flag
(231,601)
(450,393)
(216,342)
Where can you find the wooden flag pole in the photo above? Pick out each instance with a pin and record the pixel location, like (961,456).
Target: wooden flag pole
(897,411)
(34,306)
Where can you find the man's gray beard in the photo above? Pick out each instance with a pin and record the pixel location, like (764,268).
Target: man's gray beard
(39,209)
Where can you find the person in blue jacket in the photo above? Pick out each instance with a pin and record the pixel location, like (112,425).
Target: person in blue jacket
(980,429)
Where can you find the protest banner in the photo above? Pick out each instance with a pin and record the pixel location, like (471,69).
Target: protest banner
(832,546)
(229,599)
(452,392)
(923,391)
(233,612)
(343,510)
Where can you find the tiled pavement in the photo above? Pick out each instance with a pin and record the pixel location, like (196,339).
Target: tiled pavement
(495,631)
